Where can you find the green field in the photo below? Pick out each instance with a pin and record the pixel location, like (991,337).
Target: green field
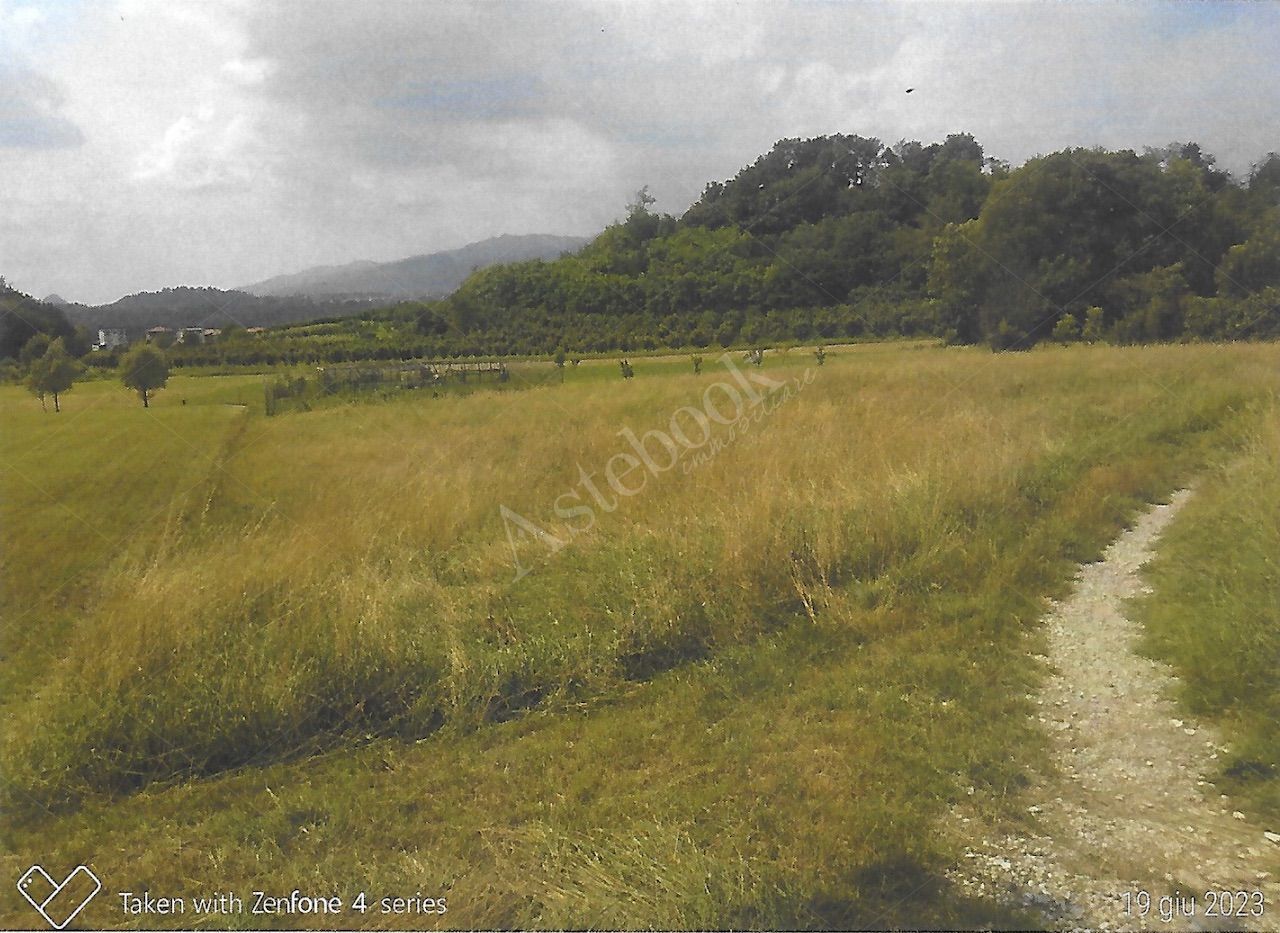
(316,651)
(1214,611)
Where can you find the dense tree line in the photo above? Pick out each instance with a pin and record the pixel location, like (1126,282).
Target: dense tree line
(23,317)
(1164,245)
(843,237)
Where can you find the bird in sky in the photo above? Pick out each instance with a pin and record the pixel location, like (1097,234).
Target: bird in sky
(910,89)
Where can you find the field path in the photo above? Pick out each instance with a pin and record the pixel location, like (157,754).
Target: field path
(1130,809)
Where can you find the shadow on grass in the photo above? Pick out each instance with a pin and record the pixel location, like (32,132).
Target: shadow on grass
(894,894)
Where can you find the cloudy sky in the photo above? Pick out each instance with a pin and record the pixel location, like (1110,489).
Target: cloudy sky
(147,143)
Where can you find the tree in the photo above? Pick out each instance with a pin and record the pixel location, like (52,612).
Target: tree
(1265,179)
(1007,337)
(144,369)
(643,199)
(957,278)
(641,224)
(1154,300)
(1094,325)
(1067,330)
(35,381)
(1252,265)
(52,374)
(1054,235)
(62,369)
(35,347)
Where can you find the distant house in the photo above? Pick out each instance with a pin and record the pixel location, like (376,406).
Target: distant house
(190,335)
(255,330)
(111,337)
(160,334)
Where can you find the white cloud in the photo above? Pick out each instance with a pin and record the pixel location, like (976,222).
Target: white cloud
(201,151)
(248,71)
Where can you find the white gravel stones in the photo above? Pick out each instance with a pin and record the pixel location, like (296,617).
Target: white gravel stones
(1128,812)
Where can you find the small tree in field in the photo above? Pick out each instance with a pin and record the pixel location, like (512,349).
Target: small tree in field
(1067,330)
(52,374)
(144,369)
(1094,325)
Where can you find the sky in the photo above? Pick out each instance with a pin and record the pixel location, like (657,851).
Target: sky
(155,143)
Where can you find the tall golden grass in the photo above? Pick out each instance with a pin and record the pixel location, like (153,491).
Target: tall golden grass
(351,575)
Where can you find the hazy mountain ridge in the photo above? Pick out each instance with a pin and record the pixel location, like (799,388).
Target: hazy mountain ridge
(205,307)
(314,294)
(430,275)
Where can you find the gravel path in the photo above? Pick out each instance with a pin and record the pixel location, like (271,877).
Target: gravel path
(1130,811)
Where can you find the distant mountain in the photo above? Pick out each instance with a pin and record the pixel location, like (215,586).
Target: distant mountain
(208,307)
(316,280)
(433,275)
(314,294)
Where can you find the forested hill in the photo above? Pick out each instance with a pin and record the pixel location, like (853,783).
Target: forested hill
(843,236)
(21,317)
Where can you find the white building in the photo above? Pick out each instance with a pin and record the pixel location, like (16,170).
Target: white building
(111,337)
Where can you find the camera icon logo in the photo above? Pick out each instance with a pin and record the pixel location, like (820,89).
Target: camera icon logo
(59,902)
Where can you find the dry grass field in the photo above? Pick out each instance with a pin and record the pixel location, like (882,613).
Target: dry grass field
(480,647)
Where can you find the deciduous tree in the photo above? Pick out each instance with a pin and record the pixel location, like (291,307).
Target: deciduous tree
(144,369)
(53,373)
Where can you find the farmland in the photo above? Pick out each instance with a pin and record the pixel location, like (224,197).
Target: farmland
(374,648)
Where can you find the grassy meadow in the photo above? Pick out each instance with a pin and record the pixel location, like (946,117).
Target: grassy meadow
(315,651)
(1214,609)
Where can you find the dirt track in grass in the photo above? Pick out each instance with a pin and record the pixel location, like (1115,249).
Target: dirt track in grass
(1130,809)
